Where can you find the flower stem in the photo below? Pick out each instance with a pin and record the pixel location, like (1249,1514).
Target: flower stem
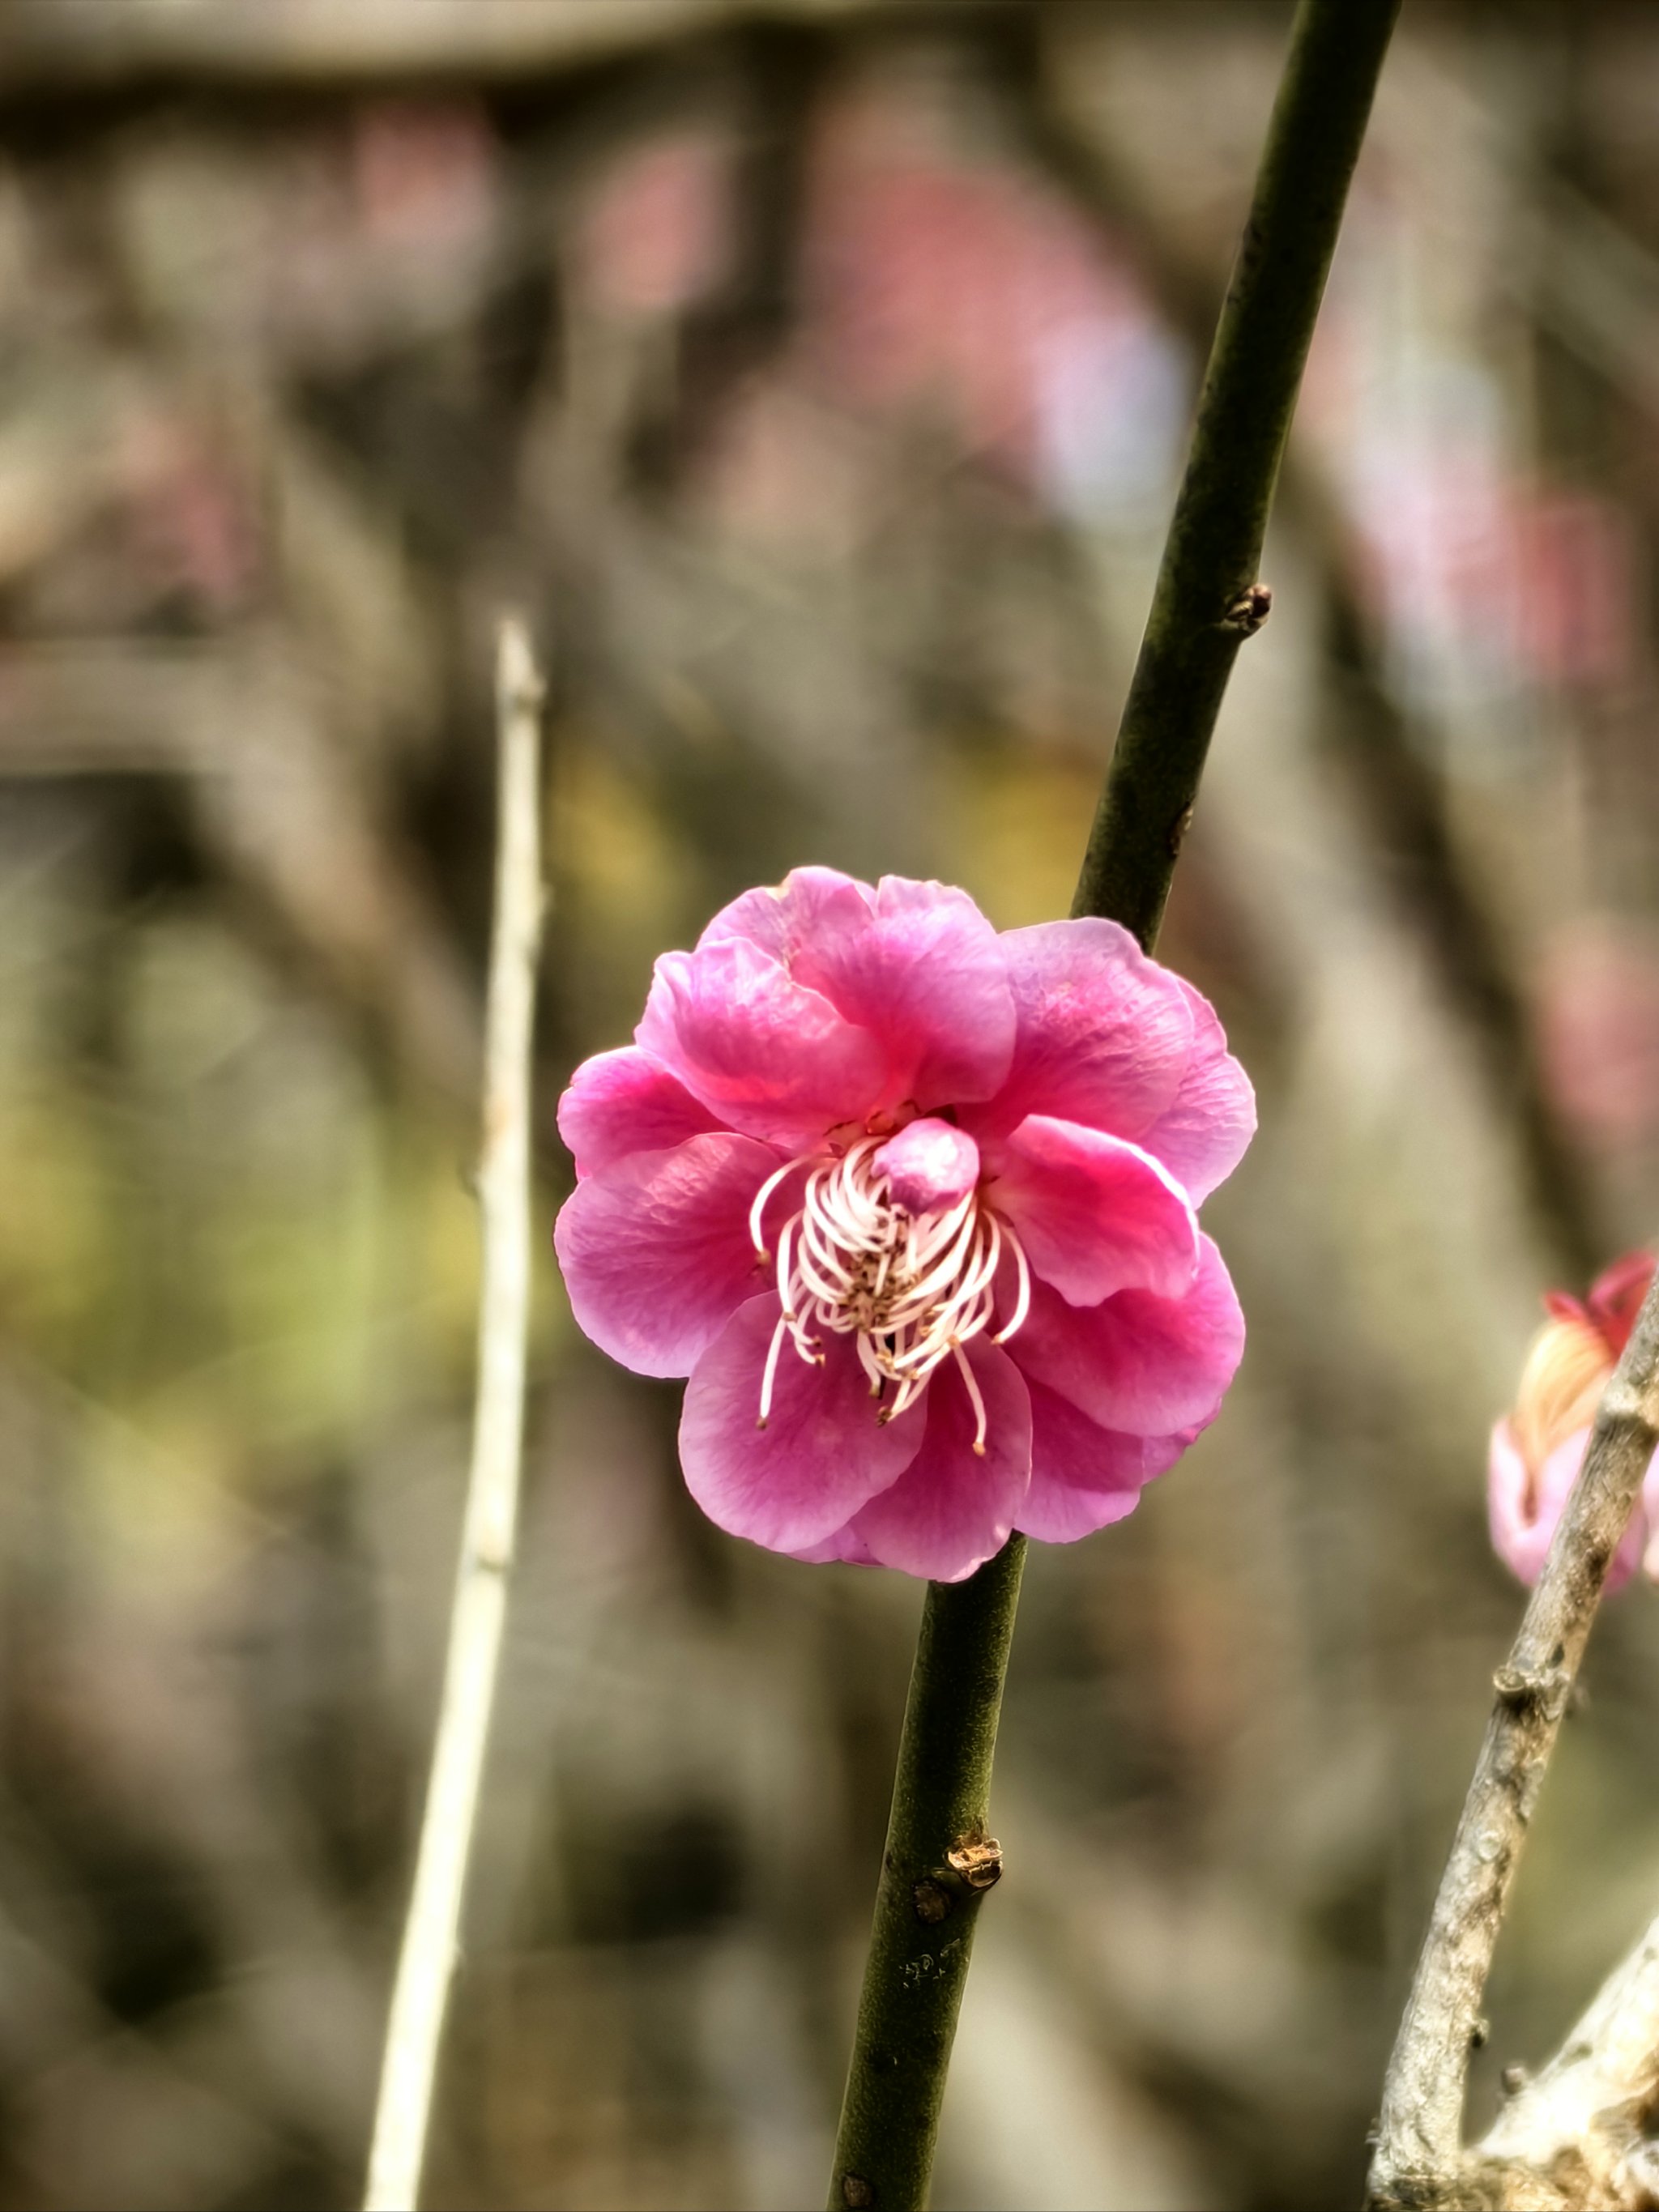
(1207,600)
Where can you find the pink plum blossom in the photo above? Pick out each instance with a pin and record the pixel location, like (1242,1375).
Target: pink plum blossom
(1537,1450)
(913,1205)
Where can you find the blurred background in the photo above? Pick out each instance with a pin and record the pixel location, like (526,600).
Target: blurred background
(816,376)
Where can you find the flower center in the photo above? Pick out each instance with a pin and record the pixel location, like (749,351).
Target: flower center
(911,1288)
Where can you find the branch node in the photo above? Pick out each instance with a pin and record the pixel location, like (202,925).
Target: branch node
(1541,1690)
(977,1859)
(1249,611)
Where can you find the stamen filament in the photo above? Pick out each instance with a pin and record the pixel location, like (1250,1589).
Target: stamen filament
(1023,1299)
(761,1197)
(770,1376)
(972,1381)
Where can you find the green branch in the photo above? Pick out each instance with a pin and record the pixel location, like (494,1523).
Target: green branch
(939,1862)
(1207,600)
(937,1867)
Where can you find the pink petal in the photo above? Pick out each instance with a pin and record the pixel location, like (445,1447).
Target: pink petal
(656,1253)
(766,1054)
(1523,1513)
(783,918)
(1525,1510)
(822,1455)
(1201,1136)
(929,1166)
(1094,1215)
(950,1509)
(1146,1365)
(620,1103)
(917,964)
(1615,1298)
(843,1548)
(1104,1034)
(931,980)
(1511,1516)
(1083,1476)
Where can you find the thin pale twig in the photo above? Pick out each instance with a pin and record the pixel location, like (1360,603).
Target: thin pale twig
(1419,2159)
(425,1966)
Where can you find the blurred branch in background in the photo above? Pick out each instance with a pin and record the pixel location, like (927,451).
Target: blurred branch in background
(490,1533)
(290,817)
(217,43)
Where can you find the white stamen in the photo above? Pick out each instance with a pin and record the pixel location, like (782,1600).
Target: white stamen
(1022,1302)
(969,1377)
(761,1197)
(910,1290)
(868,1361)
(787,1232)
(770,1376)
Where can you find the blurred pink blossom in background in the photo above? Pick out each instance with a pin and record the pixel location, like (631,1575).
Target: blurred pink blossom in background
(932,280)
(657,231)
(958,292)
(1597,993)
